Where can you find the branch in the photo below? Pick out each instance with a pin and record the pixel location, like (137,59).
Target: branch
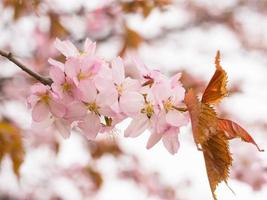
(9,56)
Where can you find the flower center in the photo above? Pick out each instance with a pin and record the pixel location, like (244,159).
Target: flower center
(66,87)
(82,53)
(120,89)
(93,107)
(168,105)
(84,76)
(148,110)
(45,98)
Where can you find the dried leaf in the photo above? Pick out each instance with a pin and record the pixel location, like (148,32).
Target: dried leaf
(143,6)
(233,130)
(95,176)
(190,81)
(211,133)
(203,118)
(101,148)
(22,7)
(56,28)
(161,3)
(217,159)
(131,40)
(216,89)
(11,144)
(205,127)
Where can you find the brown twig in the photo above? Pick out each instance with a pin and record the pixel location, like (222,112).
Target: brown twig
(9,56)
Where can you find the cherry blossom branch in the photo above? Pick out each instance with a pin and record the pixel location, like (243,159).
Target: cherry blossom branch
(10,57)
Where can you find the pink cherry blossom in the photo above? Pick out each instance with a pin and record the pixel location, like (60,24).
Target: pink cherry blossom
(62,84)
(142,121)
(44,102)
(94,95)
(68,49)
(116,85)
(168,133)
(80,70)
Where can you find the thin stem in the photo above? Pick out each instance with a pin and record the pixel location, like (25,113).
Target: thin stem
(43,80)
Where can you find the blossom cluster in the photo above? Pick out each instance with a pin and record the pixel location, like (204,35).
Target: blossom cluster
(93,95)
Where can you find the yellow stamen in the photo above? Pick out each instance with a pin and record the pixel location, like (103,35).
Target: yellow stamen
(120,89)
(93,107)
(168,105)
(83,76)
(82,53)
(148,110)
(66,87)
(45,98)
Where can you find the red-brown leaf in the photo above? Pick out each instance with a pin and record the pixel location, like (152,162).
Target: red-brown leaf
(217,159)
(216,89)
(233,130)
(203,118)
(11,144)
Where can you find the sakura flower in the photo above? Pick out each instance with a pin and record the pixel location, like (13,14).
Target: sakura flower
(118,85)
(80,70)
(168,133)
(80,65)
(90,126)
(157,110)
(44,102)
(169,96)
(142,110)
(95,105)
(68,49)
(62,126)
(148,77)
(62,85)
(96,95)
(120,81)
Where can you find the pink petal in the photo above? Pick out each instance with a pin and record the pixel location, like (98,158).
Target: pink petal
(115,107)
(39,88)
(141,67)
(75,111)
(131,84)
(57,89)
(137,126)
(57,75)
(162,92)
(107,97)
(105,71)
(103,83)
(117,70)
(153,139)
(66,48)
(40,111)
(56,63)
(176,118)
(89,47)
(90,65)
(175,80)
(63,128)
(72,67)
(88,91)
(131,103)
(56,108)
(32,100)
(171,142)
(90,126)
(178,93)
